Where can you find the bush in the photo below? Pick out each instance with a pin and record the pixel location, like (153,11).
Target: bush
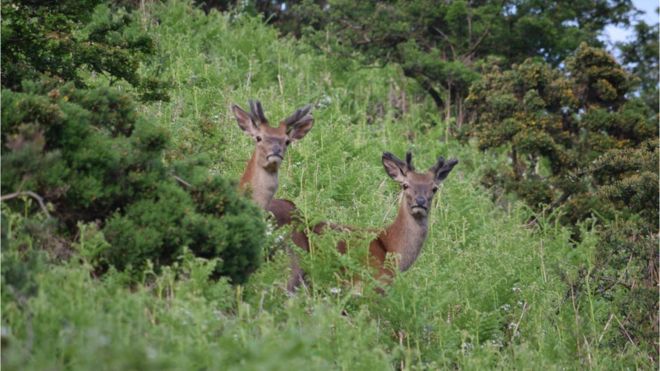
(212,220)
(627,276)
(86,151)
(574,136)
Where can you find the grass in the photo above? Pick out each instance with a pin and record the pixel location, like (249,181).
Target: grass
(486,292)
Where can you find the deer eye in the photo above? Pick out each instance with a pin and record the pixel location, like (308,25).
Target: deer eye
(405,186)
(287,142)
(258,138)
(435,189)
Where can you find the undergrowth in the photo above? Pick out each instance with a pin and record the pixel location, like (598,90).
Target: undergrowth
(488,291)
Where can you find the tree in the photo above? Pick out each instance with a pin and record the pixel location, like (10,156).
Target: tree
(65,39)
(440,44)
(574,136)
(640,56)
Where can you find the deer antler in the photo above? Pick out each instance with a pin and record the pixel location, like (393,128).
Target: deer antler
(409,161)
(257,112)
(300,115)
(438,165)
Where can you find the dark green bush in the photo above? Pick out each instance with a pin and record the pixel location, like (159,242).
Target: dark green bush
(575,137)
(61,144)
(87,153)
(627,276)
(211,220)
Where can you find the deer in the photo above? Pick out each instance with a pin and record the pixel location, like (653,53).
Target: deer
(404,238)
(261,173)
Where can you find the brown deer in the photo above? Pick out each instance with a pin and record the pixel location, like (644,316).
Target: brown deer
(404,238)
(261,173)
(260,176)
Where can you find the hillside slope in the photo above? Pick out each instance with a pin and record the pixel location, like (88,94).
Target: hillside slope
(486,292)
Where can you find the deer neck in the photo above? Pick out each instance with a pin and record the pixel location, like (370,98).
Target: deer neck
(263,183)
(405,237)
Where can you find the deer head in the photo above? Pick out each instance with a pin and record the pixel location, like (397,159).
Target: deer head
(418,188)
(272,142)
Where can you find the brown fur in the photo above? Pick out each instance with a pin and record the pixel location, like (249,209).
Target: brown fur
(271,143)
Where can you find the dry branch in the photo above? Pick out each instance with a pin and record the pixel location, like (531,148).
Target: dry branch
(39,199)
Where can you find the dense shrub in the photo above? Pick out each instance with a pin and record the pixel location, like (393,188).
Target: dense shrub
(211,219)
(81,149)
(87,153)
(627,275)
(574,137)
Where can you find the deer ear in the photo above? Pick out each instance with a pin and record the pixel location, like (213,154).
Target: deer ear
(394,167)
(442,168)
(301,128)
(299,123)
(245,121)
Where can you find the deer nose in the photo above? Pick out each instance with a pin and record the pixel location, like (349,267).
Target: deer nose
(421,201)
(277,150)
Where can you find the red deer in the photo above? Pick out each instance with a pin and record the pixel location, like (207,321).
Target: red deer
(404,238)
(261,174)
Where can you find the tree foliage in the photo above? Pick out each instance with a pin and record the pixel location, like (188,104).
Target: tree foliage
(440,44)
(640,55)
(67,39)
(573,136)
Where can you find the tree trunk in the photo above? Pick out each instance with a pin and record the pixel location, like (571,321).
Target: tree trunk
(514,163)
(460,113)
(448,102)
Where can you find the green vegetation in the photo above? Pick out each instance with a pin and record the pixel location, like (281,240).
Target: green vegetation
(574,137)
(66,38)
(86,151)
(441,44)
(580,144)
(490,290)
(641,55)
